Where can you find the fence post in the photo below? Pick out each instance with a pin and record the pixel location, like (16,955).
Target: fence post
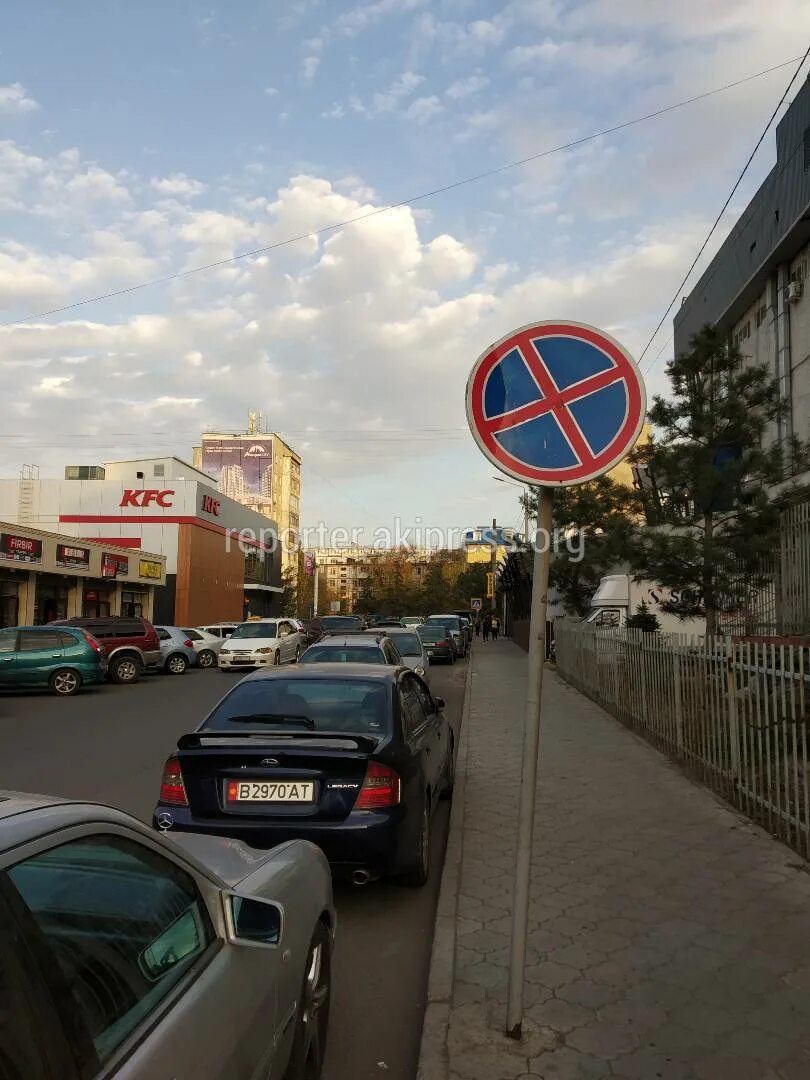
(676,680)
(733,725)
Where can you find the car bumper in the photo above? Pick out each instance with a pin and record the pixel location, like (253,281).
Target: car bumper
(365,840)
(236,662)
(441,654)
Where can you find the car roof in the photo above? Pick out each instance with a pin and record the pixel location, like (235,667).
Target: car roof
(25,816)
(362,638)
(379,673)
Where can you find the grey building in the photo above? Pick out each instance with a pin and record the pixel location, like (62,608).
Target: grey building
(757,287)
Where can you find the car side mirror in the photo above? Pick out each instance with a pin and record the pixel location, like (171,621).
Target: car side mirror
(439,703)
(254,922)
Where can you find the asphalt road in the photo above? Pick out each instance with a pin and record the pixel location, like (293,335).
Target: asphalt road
(109,745)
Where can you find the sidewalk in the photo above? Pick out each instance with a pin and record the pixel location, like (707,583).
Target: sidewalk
(668,936)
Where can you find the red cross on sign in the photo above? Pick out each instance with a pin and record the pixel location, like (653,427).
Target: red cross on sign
(555,403)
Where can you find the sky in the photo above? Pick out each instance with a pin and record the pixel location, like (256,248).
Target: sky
(139,141)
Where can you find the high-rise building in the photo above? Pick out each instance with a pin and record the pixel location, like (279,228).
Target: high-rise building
(261,471)
(232,482)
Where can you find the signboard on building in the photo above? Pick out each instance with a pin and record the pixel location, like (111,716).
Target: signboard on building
(334,605)
(148,568)
(20,548)
(114,565)
(309,565)
(76,557)
(242,465)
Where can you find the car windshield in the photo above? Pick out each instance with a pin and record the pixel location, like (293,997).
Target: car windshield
(444,620)
(343,654)
(407,644)
(340,622)
(255,630)
(350,705)
(431,633)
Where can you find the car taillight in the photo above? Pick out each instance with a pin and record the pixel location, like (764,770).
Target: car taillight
(380,788)
(188,644)
(172,788)
(444,641)
(94,643)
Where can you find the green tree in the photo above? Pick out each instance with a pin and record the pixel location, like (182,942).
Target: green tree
(644,619)
(595,524)
(289,590)
(713,462)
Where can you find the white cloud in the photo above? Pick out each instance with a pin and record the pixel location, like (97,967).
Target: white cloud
(402,87)
(95,184)
(464,88)
(337,112)
(363,16)
(309,67)
(54,385)
(423,109)
(271,91)
(178,184)
(14,98)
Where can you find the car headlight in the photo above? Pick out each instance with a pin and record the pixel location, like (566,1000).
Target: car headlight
(224,652)
(419,670)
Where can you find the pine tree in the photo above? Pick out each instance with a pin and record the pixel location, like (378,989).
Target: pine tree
(644,619)
(713,462)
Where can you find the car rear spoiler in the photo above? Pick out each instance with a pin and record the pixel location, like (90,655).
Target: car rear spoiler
(194,740)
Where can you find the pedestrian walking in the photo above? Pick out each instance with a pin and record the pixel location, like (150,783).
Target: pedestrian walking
(487,627)
(496,625)
(478,627)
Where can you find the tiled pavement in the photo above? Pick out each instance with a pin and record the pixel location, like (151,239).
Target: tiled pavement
(668,936)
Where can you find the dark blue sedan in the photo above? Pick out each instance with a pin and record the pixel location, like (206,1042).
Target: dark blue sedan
(351,757)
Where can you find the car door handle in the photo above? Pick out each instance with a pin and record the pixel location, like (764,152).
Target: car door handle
(7,659)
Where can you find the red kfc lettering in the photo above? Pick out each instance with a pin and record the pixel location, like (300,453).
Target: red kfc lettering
(146,497)
(210,505)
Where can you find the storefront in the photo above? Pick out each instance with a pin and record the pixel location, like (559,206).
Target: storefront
(44,576)
(218,559)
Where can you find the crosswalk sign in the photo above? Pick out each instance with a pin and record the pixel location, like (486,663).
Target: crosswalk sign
(490,585)
(475,603)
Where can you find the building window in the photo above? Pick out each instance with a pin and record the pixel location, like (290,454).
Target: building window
(158,470)
(744,333)
(762,314)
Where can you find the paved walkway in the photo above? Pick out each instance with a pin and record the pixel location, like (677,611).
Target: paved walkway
(668,936)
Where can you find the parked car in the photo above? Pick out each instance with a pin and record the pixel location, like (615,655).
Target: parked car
(351,756)
(62,658)
(409,646)
(412,620)
(177,649)
(219,629)
(255,644)
(312,631)
(468,627)
(437,642)
(388,621)
(367,648)
(131,645)
(130,952)
(329,624)
(206,646)
(451,623)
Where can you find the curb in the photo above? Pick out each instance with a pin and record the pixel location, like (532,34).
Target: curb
(433,1061)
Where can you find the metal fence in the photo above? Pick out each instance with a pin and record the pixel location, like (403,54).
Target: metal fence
(733,712)
(793,583)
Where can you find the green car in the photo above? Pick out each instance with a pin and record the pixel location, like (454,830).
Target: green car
(64,658)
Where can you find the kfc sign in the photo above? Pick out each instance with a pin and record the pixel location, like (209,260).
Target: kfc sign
(210,505)
(144,498)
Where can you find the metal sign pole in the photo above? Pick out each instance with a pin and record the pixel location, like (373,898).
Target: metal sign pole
(528,782)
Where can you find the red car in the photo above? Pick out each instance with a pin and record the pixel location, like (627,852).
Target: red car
(130,645)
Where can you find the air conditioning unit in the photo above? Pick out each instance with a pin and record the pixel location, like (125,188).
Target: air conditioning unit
(794,291)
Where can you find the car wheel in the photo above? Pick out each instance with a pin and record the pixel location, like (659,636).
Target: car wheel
(176,664)
(65,682)
(419,873)
(126,669)
(450,771)
(312,1018)
(207,658)
(277,658)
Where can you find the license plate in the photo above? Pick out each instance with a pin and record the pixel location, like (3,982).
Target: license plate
(270,791)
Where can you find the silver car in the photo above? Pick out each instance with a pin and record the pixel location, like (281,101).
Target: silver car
(177,650)
(139,955)
(409,646)
(206,646)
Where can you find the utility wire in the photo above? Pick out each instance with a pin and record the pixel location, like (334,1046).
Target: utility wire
(572,144)
(724,207)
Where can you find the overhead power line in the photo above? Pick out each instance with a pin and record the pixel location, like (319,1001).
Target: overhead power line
(324,229)
(724,207)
